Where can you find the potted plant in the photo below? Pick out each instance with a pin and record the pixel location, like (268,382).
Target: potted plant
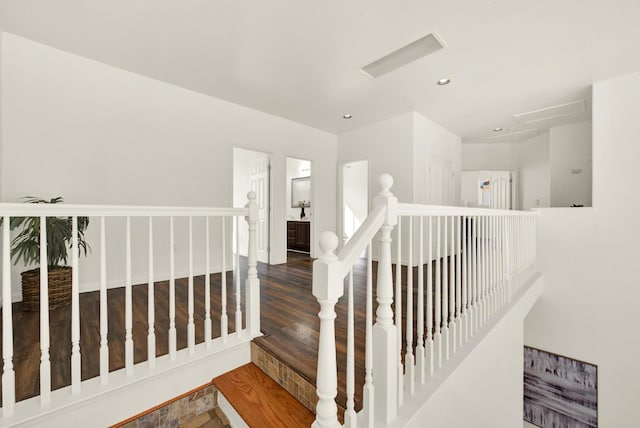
(25,247)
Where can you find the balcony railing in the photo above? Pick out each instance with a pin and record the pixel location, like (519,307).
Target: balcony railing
(462,266)
(147,246)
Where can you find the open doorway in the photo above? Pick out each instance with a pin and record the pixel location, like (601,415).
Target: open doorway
(251,171)
(299,207)
(354,193)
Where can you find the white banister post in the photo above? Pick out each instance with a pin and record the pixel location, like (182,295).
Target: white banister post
(8,374)
(385,373)
(327,288)
(252,284)
(45,363)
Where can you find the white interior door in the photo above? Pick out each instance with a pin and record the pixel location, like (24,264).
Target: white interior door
(487,189)
(440,182)
(259,182)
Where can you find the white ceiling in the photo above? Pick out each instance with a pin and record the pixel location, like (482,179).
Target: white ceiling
(300,59)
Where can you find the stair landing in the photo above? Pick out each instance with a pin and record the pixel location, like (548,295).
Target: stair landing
(260,401)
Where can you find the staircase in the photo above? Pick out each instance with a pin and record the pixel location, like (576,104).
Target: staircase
(260,401)
(197,408)
(444,278)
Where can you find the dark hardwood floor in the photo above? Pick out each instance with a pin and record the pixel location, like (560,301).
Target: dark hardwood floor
(289,321)
(26,330)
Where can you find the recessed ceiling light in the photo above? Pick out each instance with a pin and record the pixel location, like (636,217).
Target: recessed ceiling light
(346,116)
(443,82)
(498,129)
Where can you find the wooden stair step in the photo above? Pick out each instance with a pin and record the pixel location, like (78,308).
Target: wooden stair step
(260,401)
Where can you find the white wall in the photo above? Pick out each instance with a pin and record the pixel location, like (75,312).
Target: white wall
(481,386)
(530,160)
(355,191)
(388,146)
(486,390)
(99,135)
(533,173)
(490,156)
(1,107)
(432,140)
(589,257)
(570,164)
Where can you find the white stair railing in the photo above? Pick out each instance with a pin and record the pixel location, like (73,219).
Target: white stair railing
(462,266)
(222,216)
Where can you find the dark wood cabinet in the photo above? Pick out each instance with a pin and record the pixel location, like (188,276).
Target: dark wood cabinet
(299,236)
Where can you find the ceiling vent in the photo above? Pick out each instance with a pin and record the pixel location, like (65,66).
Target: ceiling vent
(512,136)
(553,112)
(405,55)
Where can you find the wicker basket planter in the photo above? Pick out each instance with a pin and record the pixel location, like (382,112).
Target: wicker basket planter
(59,288)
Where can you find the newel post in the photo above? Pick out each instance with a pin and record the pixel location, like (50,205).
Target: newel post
(385,355)
(327,288)
(252,283)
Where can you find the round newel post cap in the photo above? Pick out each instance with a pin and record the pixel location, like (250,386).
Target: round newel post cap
(251,195)
(386,182)
(328,244)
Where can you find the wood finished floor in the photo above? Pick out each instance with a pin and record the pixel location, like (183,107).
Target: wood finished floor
(289,321)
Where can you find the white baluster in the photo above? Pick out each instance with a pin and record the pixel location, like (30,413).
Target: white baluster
(503,259)
(516,238)
(45,363)
(224,323)
(207,285)
(438,300)
(104,307)
(534,242)
(498,254)
(408,355)
(75,311)
(384,331)
(238,309)
(452,289)
(191,328)
(350,413)
(485,276)
(151,312)
(487,243)
(509,256)
(252,283)
(420,312)
(474,274)
(327,288)
(430,344)
(458,252)
(8,374)
(172,294)
(368,390)
(128,305)
(490,238)
(464,336)
(481,255)
(398,312)
(445,291)
(496,263)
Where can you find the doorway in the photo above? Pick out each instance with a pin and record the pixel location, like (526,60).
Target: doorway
(251,172)
(299,207)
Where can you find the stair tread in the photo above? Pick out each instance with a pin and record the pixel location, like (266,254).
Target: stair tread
(260,401)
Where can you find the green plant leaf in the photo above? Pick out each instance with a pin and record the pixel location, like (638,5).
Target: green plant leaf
(26,244)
